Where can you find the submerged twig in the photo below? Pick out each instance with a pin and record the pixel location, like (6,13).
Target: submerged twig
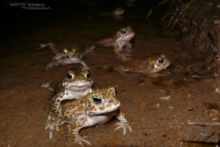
(203,123)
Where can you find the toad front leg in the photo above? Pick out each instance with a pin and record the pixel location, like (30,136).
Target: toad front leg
(85,66)
(50,65)
(128,46)
(52,123)
(73,131)
(124,52)
(123,123)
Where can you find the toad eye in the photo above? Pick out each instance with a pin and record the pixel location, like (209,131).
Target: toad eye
(123,31)
(65,50)
(97,100)
(161,61)
(85,74)
(70,76)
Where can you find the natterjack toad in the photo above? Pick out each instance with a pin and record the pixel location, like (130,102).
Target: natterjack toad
(95,108)
(150,66)
(121,43)
(65,57)
(73,86)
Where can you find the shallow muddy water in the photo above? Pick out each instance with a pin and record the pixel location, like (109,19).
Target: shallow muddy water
(155,121)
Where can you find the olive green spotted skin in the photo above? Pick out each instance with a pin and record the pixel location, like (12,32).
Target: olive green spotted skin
(95,108)
(97,102)
(74,86)
(77,80)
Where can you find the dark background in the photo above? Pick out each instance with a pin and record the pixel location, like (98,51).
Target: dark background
(16,18)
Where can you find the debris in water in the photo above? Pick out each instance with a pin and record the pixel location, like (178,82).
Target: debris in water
(189,109)
(200,123)
(165,97)
(170,107)
(217,90)
(158,105)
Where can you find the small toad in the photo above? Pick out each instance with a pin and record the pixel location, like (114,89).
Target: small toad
(150,66)
(65,56)
(121,43)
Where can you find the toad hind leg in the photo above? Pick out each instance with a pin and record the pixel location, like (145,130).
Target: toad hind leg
(123,124)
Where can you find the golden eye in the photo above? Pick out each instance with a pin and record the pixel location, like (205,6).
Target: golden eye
(70,75)
(65,50)
(85,74)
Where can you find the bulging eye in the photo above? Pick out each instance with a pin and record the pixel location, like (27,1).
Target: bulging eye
(85,74)
(97,100)
(65,50)
(123,31)
(70,76)
(161,61)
